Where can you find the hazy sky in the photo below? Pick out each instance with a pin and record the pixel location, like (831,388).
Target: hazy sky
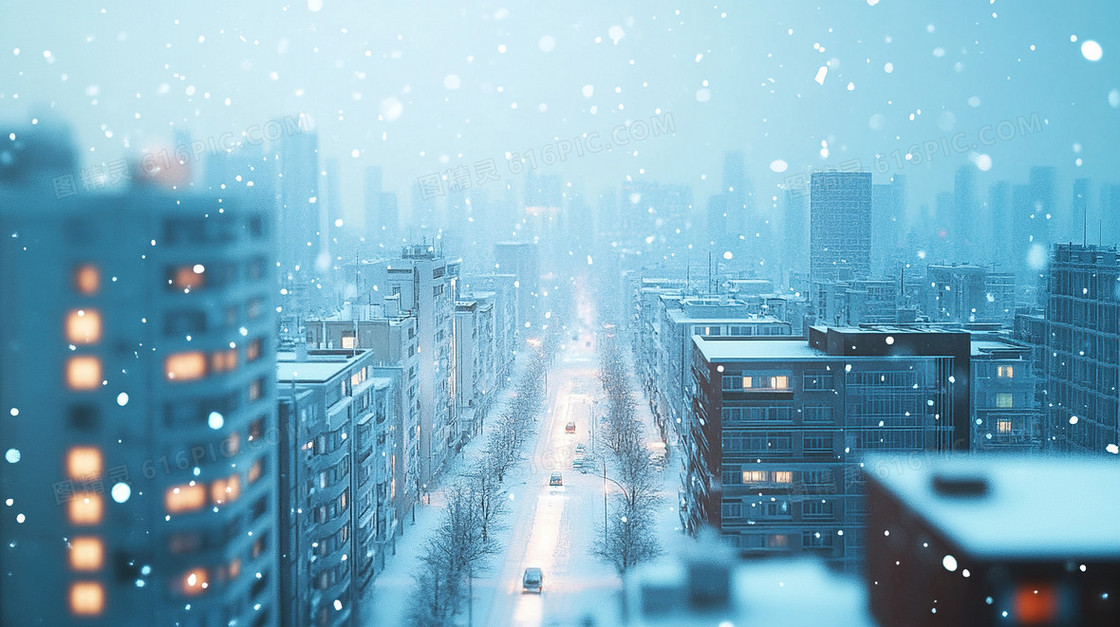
(419,87)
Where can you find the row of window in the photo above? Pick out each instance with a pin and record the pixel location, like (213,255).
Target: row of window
(775,509)
(192,365)
(732,415)
(190,497)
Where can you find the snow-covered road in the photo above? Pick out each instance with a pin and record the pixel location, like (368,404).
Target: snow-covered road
(552,528)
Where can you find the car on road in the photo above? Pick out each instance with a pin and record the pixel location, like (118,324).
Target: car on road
(570,427)
(556,479)
(578,460)
(532,580)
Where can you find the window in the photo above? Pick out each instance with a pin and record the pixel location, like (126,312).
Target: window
(818,443)
(774,509)
(187,277)
(86,553)
(222,491)
(1004,400)
(195,581)
(821,413)
(185,366)
(349,340)
(817,381)
(85,508)
(783,476)
(184,498)
(1005,372)
(816,539)
(816,509)
(256,389)
(83,462)
(1004,425)
(87,280)
(224,360)
(816,477)
(83,372)
(83,326)
(253,352)
(777,541)
(255,471)
(732,509)
(755,476)
(87,598)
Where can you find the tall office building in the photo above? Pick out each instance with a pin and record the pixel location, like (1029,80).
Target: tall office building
(779,427)
(138,386)
(840,226)
(522,259)
(1083,349)
(297,156)
(966,228)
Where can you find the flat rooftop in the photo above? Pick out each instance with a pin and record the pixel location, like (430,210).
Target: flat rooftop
(1019,517)
(716,349)
(319,370)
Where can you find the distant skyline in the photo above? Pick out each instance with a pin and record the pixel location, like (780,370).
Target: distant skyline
(420,88)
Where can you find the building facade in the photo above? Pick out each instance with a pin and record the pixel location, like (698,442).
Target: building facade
(840,226)
(136,377)
(423,284)
(337,522)
(779,427)
(1083,349)
(1006,415)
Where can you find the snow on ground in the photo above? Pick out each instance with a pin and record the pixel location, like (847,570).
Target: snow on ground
(553,528)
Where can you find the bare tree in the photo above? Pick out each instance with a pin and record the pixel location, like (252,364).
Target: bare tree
(629,539)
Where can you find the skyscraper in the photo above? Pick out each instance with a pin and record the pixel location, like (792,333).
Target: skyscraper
(298,157)
(137,381)
(840,226)
(1083,349)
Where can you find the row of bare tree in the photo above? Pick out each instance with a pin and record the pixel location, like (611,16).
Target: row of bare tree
(629,537)
(476,505)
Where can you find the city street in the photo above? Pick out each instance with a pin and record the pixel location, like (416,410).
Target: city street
(549,527)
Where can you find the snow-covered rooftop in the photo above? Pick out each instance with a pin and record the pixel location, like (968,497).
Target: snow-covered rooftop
(1053,508)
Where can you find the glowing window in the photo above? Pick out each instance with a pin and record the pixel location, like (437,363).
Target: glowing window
(83,326)
(779,383)
(1003,425)
(83,372)
(222,361)
(87,280)
(185,498)
(1005,372)
(223,491)
(195,581)
(747,383)
(85,508)
(783,476)
(1036,604)
(83,462)
(1004,400)
(755,476)
(186,278)
(255,471)
(349,341)
(185,366)
(86,553)
(253,351)
(235,568)
(87,598)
